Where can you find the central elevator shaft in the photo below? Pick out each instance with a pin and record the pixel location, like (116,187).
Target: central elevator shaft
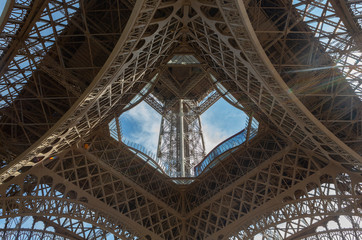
(181,144)
(179,95)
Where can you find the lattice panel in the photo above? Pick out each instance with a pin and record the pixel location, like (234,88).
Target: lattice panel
(247,68)
(121,159)
(250,192)
(113,85)
(238,164)
(55,50)
(119,194)
(46,207)
(311,207)
(315,66)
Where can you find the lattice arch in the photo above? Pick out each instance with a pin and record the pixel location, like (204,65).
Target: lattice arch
(45,206)
(342,227)
(28,227)
(311,207)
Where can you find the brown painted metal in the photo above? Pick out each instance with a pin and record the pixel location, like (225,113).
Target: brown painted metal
(68,67)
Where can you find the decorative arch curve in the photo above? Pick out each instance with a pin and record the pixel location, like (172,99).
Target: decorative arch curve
(62,211)
(300,211)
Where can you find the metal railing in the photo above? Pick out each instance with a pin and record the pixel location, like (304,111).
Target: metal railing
(147,155)
(220,152)
(215,155)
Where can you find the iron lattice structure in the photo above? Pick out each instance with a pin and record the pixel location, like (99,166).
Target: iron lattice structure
(68,67)
(184,93)
(172,141)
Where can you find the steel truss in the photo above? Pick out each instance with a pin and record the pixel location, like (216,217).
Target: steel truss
(113,173)
(31,32)
(318,202)
(100,97)
(68,212)
(60,166)
(315,70)
(169,144)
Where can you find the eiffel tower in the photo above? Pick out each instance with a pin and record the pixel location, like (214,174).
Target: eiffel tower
(70,68)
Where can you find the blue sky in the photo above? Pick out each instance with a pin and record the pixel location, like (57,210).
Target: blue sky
(2,5)
(221,121)
(141,124)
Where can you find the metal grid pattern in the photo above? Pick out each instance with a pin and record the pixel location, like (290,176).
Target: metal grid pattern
(312,57)
(69,51)
(306,208)
(105,184)
(305,158)
(39,201)
(100,98)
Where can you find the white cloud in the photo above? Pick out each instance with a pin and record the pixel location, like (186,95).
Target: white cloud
(220,122)
(213,134)
(147,121)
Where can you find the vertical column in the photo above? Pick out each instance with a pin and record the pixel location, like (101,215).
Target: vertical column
(119,129)
(249,129)
(160,138)
(202,136)
(181,138)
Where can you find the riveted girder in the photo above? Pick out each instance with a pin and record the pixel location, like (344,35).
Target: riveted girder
(68,67)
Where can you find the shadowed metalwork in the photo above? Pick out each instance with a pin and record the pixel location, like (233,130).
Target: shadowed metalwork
(70,68)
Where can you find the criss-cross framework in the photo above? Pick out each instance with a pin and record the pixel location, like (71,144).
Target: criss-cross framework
(70,67)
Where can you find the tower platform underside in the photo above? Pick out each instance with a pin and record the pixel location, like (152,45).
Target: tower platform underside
(68,68)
